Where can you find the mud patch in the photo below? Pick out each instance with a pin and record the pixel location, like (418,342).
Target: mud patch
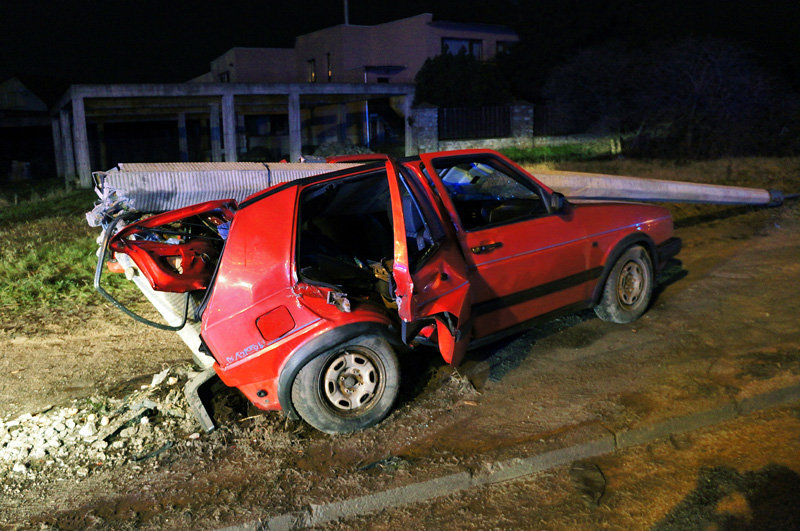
(767,363)
(639,404)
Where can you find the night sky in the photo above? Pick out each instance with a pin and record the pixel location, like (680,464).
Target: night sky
(50,44)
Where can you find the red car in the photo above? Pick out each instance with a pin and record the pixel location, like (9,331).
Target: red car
(309,287)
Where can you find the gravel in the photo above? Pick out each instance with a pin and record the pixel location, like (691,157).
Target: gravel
(96,432)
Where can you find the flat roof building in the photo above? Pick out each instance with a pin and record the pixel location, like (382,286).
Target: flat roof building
(339,84)
(392,52)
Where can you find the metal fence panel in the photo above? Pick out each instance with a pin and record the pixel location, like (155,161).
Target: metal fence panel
(460,123)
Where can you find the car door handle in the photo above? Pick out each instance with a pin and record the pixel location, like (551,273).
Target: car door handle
(486,247)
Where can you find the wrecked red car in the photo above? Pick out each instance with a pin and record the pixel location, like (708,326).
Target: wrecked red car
(307,289)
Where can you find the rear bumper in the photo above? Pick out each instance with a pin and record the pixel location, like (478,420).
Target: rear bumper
(667,250)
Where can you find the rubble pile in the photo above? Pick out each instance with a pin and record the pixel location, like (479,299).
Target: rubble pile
(98,432)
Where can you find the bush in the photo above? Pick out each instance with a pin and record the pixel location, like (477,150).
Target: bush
(692,98)
(460,81)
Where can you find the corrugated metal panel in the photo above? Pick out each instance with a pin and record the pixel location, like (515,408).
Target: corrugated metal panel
(161,187)
(138,167)
(160,191)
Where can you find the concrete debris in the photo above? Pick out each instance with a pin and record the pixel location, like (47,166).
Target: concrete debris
(159,378)
(97,432)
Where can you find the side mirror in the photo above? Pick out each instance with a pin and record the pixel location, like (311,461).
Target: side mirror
(557,202)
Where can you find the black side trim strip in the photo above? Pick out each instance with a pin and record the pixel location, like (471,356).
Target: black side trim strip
(536,291)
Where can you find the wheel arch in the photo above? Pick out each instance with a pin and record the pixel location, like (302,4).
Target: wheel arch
(637,238)
(317,346)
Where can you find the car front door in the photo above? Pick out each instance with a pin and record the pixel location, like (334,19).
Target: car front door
(430,274)
(526,258)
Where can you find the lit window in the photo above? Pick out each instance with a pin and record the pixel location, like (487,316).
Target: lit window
(312,70)
(330,67)
(473,47)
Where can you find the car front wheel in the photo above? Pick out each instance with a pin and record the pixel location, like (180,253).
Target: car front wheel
(628,288)
(348,388)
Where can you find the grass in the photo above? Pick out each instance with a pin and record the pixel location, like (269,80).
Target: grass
(47,254)
(600,148)
(34,203)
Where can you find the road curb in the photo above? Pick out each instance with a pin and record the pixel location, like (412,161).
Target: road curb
(317,514)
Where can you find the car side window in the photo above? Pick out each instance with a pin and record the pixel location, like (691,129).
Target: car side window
(423,231)
(485,193)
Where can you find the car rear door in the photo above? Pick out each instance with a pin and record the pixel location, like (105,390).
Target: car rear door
(429,271)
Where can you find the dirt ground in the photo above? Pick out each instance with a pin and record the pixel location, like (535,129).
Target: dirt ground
(724,325)
(738,475)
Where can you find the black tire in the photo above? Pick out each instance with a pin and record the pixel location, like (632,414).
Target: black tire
(350,387)
(628,288)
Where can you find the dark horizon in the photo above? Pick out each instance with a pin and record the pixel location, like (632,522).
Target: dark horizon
(54,44)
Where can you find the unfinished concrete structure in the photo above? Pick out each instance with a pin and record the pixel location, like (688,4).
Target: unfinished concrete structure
(392,52)
(331,87)
(221,108)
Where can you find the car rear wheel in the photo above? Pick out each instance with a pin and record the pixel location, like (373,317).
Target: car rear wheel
(628,288)
(348,388)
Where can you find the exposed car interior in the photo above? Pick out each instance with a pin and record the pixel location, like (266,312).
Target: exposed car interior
(346,238)
(345,235)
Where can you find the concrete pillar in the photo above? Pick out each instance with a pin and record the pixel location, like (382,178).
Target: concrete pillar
(409,130)
(66,147)
(213,125)
(522,125)
(183,141)
(83,163)
(55,126)
(426,128)
(229,126)
(295,128)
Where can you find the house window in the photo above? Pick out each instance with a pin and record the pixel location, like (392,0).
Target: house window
(453,46)
(330,66)
(312,70)
(504,47)
(224,77)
